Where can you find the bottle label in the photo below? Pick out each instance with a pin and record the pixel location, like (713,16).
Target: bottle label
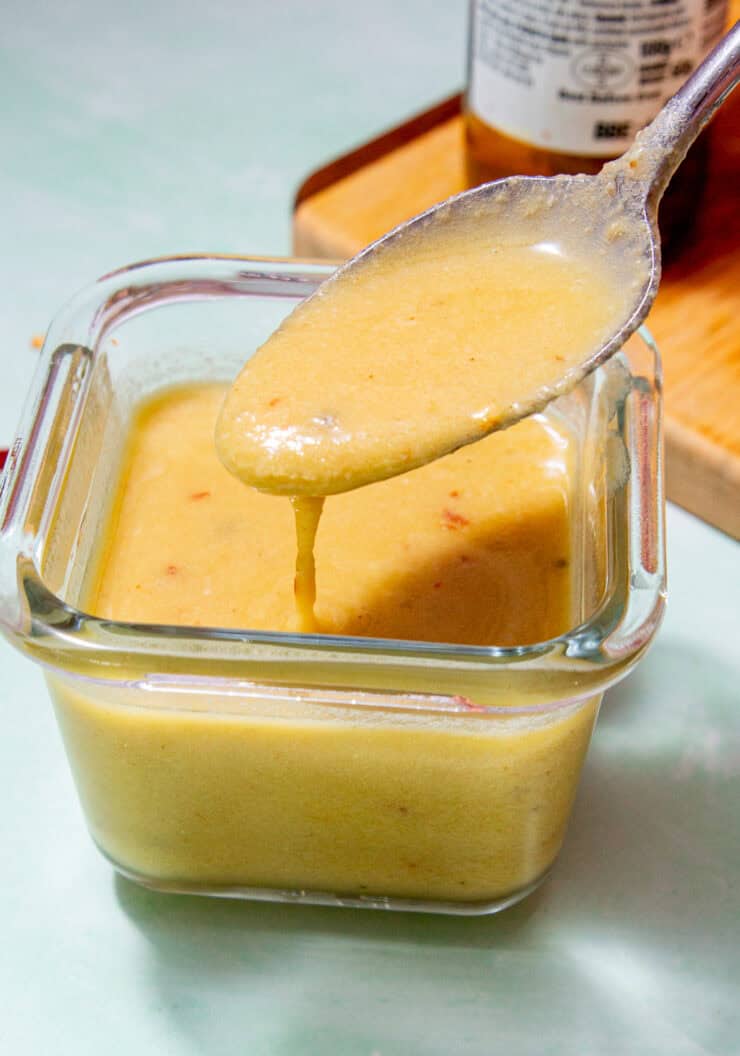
(583,76)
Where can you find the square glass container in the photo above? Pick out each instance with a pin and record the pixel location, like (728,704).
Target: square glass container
(313,768)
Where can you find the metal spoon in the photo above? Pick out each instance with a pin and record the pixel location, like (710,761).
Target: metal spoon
(332,430)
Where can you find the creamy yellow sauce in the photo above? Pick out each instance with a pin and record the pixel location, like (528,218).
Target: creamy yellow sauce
(406,357)
(473,548)
(460,811)
(307,513)
(247,792)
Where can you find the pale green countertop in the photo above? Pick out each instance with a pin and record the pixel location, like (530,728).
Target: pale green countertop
(138,129)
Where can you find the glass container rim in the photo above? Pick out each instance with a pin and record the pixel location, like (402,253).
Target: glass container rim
(46,626)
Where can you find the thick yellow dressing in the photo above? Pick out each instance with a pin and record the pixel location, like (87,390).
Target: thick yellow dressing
(407,358)
(307,513)
(472,548)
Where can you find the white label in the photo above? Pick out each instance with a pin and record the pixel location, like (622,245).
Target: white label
(583,76)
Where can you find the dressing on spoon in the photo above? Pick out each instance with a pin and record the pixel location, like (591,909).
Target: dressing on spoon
(412,353)
(459,322)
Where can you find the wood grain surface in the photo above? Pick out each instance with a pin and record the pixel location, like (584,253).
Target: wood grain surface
(695,320)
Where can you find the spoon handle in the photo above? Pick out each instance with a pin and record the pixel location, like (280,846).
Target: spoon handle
(660,148)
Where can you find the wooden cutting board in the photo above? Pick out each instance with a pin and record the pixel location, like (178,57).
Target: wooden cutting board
(695,320)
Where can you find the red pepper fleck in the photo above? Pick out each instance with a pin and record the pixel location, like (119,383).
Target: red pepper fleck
(467,703)
(453,520)
(438,584)
(172,570)
(200,495)
(454,494)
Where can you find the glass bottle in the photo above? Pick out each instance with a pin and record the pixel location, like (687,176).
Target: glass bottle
(561,86)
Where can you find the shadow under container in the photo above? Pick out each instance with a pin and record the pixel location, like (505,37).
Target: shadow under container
(334,770)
